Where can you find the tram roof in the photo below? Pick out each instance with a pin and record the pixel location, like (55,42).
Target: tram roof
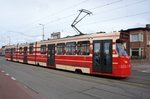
(67,38)
(84,35)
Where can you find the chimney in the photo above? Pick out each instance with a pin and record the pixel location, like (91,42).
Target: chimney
(148,26)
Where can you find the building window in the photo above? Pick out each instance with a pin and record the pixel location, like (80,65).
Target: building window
(83,48)
(71,48)
(137,53)
(61,48)
(134,52)
(43,49)
(136,37)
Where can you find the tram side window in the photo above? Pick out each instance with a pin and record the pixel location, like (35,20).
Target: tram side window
(43,49)
(83,48)
(14,50)
(7,51)
(31,49)
(71,48)
(61,48)
(20,50)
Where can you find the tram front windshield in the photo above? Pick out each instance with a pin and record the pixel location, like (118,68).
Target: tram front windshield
(120,49)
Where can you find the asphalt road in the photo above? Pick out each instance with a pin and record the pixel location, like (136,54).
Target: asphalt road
(56,84)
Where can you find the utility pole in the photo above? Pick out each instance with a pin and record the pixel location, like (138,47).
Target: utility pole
(43,30)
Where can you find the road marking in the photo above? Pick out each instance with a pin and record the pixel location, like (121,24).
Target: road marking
(25,86)
(13,78)
(7,74)
(146,71)
(2,71)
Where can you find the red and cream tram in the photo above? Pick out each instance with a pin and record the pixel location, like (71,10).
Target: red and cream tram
(99,53)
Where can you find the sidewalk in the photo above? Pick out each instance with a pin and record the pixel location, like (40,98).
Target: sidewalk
(142,67)
(143,63)
(12,89)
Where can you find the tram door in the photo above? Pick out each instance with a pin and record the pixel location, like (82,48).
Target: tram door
(25,55)
(51,55)
(102,56)
(11,54)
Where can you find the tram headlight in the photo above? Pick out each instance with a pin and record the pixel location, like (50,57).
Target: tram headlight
(125,62)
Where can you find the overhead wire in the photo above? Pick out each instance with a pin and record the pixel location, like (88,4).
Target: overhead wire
(120,7)
(89,9)
(111,19)
(59,19)
(107,4)
(63,10)
(131,4)
(24,34)
(104,5)
(116,18)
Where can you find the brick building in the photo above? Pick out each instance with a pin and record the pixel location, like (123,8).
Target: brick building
(2,51)
(138,45)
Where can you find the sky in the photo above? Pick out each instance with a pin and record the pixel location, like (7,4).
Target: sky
(20,19)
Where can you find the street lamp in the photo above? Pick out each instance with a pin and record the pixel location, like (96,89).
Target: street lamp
(43,30)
